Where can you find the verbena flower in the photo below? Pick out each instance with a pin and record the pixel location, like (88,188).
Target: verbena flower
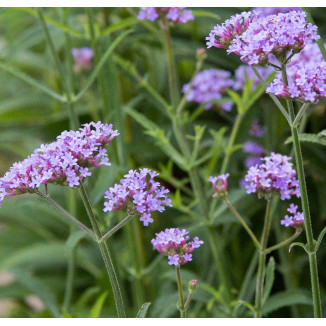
(220,185)
(256,130)
(138,193)
(64,162)
(266,11)
(245,72)
(305,84)
(82,58)
(209,85)
(295,220)
(174,244)
(175,14)
(274,176)
(221,36)
(279,35)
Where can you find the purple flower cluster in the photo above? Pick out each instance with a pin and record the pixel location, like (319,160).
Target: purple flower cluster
(222,36)
(173,243)
(220,185)
(266,11)
(65,162)
(296,220)
(138,193)
(276,35)
(275,175)
(306,84)
(82,58)
(175,14)
(245,72)
(210,84)
(256,152)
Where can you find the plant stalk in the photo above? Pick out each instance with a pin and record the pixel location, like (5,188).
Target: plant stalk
(182,303)
(105,254)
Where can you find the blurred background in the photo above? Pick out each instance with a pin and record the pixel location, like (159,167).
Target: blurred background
(37,245)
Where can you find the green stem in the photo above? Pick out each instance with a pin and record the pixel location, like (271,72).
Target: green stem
(305,207)
(233,136)
(283,243)
(72,115)
(243,223)
(182,303)
(105,254)
(109,234)
(173,83)
(64,212)
(261,262)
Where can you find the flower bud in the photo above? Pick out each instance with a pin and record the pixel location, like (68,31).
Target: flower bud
(193,286)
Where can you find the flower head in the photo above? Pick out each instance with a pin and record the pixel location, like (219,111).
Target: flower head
(65,162)
(209,85)
(174,244)
(274,175)
(297,218)
(279,35)
(220,185)
(175,14)
(138,193)
(221,36)
(82,58)
(266,11)
(307,84)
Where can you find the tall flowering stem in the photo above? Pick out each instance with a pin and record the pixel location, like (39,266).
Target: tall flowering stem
(305,206)
(105,254)
(262,261)
(182,303)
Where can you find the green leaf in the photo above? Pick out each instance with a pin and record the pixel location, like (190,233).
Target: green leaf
(120,25)
(309,138)
(197,13)
(39,288)
(143,310)
(237,99)
(270,276)
(97,307)
(73,240)
(285,299)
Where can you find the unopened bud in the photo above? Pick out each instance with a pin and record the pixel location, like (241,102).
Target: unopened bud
(193,285)
(201,54)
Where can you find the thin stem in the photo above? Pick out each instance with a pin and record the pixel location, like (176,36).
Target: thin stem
(182,304)
(305,207)
(173,83)
(188,301)
(64,212)
(109,234)
(233,136)
(283,243)
(274,98)
(300,114)
(243,223)
(32,82)
(105,254)
(72,114)
(261,262)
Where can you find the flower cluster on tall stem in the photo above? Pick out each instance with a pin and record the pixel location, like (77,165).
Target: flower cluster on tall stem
(65,162)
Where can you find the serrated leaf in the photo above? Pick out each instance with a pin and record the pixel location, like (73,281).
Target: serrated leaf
(270,276)
(143,310)
(309,138)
